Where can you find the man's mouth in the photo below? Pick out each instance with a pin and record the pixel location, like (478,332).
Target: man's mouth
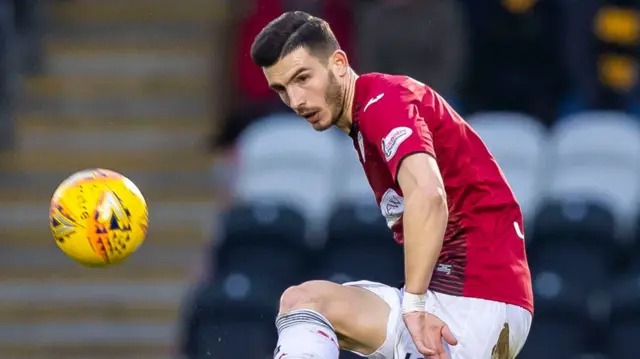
(309,115)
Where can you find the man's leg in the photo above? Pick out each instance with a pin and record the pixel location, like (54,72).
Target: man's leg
(485,329)
(317,318)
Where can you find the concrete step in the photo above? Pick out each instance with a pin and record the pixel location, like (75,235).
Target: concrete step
(132,292)
(149,63)
(57,46)
(157,187)
(155,32)
(76,333)
(97,275)
(148,258)
(159,237)
(84,353)
(115,141)
(161,214)
(88,351)
(19,313)
(138,11)
(153,194)
(137,161)
(93,122)
(167,105)
(114,87)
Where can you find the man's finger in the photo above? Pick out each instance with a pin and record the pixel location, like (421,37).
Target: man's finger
(423,349)
(442,352)
(448,336)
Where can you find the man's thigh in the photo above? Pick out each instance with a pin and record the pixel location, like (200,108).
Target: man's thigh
(397,343)
(485,329)
(358,316)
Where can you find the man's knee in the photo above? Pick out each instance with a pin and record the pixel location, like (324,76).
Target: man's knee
(358,316)
(313,295)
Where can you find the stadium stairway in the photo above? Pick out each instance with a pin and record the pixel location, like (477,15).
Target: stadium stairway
(125,87)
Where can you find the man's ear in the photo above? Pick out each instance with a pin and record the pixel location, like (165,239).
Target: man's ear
(340,62)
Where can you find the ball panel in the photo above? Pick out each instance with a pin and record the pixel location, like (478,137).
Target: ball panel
(98,217)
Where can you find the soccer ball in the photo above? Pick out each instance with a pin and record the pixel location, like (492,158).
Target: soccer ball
(98,217)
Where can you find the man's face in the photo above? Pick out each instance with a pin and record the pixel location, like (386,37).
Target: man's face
(308,86)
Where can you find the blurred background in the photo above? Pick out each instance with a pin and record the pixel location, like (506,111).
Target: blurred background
(246,200)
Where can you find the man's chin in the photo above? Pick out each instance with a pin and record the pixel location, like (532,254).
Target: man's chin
(321,126)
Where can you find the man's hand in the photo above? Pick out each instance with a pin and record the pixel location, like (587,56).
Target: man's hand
(427,332)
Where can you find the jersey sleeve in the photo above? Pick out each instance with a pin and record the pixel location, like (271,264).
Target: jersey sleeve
(396,127)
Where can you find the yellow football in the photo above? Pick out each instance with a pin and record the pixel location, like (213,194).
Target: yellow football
(98,217)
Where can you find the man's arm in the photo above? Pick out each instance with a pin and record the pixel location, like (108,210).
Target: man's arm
(398,126)
(425,219)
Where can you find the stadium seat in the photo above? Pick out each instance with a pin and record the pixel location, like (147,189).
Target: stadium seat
(611,186)
(281,160)
(597,155)
(264,224)
(556,339)
(263,239)
(569,280)
(361,246)
(588,223)
(353,185)
(570,270)
(625,319)
(516,141)
(636,237)
(510,136)
(565,278)
(358,223)
(378,264)
(230,340)
(603,135)
(226,313)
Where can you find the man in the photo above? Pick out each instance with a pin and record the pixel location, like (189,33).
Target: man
(441,192)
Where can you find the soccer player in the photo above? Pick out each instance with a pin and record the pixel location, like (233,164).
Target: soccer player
(467,291)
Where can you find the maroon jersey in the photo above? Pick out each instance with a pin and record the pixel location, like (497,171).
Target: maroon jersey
(483,254)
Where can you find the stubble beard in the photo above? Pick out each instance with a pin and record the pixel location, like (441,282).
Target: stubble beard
(335,98)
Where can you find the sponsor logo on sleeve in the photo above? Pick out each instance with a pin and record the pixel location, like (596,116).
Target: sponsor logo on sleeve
(392,141)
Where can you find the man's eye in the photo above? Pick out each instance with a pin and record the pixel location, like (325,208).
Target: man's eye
(303,78)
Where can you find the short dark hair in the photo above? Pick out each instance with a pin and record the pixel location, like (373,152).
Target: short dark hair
(290,31)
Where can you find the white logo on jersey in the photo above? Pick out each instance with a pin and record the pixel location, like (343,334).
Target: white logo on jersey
(361,146)
(393,140)
(392,207)
(444,268)
(519,232)
(372,101)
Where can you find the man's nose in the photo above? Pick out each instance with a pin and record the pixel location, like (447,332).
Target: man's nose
(296,100)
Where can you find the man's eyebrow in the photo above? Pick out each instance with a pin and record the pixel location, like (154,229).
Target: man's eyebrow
(277,86)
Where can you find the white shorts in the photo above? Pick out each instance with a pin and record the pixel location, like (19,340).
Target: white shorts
(484,329)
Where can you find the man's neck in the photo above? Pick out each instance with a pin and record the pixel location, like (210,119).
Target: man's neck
(345,122)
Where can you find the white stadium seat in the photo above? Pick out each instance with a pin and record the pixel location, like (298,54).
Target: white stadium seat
(597,136)
(597,155)
(281,159)
(517,142)
(352,181)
